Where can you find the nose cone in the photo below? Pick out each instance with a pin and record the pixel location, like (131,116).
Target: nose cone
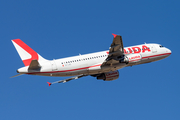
(168,51)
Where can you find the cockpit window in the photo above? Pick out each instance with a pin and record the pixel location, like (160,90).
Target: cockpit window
(161,46)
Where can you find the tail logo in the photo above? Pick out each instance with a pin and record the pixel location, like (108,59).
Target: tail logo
(26,53)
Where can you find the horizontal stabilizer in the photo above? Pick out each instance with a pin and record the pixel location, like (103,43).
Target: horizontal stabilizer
(16,75)
(34,65)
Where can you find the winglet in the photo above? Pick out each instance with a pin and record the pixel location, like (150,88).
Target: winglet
(114,35)
(49,83)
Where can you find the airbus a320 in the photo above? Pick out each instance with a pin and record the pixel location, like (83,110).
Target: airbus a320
(103,65)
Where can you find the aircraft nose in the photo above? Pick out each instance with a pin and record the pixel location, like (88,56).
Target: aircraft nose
(168,51)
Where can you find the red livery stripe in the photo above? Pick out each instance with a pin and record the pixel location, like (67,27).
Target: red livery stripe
(156,55)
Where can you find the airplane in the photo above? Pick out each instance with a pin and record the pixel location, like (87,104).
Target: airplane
(103,65)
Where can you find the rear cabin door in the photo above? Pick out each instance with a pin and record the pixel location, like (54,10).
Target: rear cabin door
(54,66)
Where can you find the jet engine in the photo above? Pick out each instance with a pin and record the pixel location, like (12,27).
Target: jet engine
(109,76)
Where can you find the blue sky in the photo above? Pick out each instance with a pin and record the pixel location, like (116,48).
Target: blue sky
(57,29)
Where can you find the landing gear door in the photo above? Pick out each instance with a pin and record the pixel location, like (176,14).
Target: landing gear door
(153,48)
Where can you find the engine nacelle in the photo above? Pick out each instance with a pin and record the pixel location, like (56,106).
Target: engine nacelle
(109,76)
(132,58)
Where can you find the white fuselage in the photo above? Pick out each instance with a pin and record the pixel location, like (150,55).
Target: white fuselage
(90,64)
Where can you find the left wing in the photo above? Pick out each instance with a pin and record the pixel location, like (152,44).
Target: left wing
(66,80)
(116,51)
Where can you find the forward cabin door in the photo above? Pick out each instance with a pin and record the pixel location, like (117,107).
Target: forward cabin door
(153,48)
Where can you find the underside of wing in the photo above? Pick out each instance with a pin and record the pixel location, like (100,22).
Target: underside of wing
(67,80)
(116,51)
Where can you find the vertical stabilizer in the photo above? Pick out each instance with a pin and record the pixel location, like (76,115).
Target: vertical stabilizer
(26,53)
